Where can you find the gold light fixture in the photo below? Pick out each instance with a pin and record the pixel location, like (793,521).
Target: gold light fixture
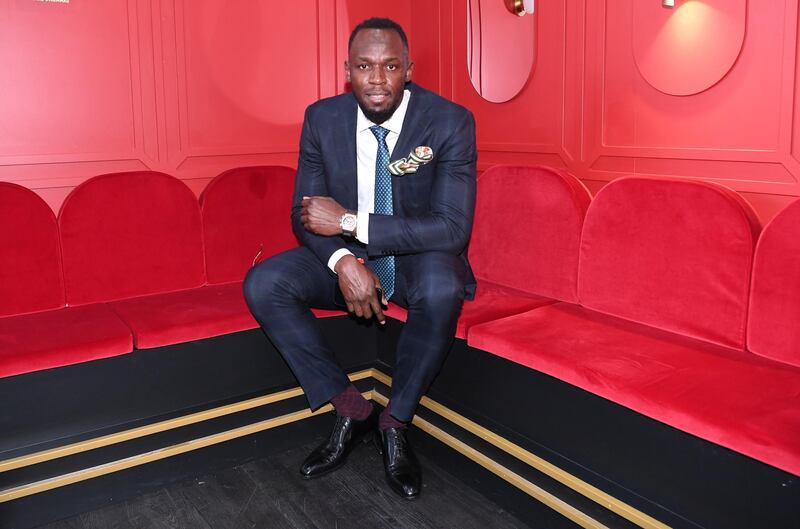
(520,7)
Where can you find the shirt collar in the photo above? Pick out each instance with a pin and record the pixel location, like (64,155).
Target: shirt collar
(393,124)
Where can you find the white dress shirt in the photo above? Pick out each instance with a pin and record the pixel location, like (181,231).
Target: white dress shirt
(366,153)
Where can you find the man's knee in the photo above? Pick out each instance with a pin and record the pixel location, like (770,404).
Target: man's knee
(441,290)
(440,283)
(263,282)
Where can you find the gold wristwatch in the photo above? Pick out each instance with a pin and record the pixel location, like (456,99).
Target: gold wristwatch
(348,223)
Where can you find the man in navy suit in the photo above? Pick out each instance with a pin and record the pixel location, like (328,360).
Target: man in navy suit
(368,236)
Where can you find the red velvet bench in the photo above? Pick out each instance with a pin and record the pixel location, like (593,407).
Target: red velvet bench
(139,244)
(664,300)
(130,265)
(661,323)
(637,314)
(128,310)
(37,329)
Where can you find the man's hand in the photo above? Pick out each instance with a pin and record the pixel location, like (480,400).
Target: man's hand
(321,215)
(358,283)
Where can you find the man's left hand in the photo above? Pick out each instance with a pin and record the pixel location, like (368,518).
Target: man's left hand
(321,215)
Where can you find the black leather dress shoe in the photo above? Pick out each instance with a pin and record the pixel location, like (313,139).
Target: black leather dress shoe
(332,454)
(403,472)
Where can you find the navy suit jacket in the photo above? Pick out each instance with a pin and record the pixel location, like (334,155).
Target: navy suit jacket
(433,208)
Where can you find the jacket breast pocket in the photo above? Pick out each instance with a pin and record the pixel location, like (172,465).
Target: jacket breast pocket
(415,189)
(423,173)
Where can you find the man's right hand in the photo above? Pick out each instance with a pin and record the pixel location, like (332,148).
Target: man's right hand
(358,284)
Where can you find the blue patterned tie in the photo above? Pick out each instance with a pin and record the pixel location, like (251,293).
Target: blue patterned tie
(384,266)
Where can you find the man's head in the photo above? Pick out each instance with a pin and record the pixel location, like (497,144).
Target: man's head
(378,67)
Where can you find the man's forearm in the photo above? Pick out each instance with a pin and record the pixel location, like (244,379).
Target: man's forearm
(430,233)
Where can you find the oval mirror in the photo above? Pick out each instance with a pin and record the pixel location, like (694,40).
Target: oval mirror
(501,47)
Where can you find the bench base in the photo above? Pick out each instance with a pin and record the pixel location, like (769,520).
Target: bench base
(590,459)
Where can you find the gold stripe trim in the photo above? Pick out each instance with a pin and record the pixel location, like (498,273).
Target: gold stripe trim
(161,453)
(150,429)
(593,493)
(499,470)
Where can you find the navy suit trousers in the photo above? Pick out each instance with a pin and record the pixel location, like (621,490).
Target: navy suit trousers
(282,290)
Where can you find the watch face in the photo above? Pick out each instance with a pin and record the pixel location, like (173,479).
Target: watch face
(349,222)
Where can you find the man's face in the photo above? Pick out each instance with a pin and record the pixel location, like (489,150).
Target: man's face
(378,69)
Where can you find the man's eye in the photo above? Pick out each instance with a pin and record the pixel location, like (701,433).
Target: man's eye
(363,66)
(391,67)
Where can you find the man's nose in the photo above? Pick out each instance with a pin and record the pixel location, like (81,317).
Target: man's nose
(377,76)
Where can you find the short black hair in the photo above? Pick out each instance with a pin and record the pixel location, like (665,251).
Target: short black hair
(379,23)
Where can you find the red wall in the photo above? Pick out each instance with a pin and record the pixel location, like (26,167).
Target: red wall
(194,88)
(189,88)
(587,108)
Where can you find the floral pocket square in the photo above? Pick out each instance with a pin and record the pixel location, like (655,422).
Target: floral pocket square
(419,156)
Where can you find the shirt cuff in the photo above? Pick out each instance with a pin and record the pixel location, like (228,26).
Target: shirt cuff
(362,227)
(338,254)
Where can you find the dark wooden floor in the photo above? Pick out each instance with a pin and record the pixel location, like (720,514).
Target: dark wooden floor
(269,493)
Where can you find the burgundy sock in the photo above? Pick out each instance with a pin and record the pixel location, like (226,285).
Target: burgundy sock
(350,403)
(385,420)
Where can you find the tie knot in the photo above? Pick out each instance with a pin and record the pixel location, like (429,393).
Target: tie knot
(379,132)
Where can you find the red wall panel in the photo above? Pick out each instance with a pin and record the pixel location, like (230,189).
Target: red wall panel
(67,80)
(589,108)
(70,93)
(245,86)
(187,88)
(195,88)
(531,122)
(740,114)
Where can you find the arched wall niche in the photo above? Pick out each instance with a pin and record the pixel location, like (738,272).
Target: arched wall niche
(687,49)
(501,49)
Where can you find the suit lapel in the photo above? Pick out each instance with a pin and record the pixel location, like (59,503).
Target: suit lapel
(414,124)
(346,147)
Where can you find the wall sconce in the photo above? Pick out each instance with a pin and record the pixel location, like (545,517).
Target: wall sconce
(668,3)
(520,7)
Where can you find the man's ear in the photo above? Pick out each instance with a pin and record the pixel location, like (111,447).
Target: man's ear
(409,71)
(347,71)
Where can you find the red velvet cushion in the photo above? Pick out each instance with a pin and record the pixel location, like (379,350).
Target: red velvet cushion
(326,313)
(527,229)
(396,311)
(175,317)
(673,254)
(61,337)
(246,210)
(130,234)
(774,321)
(727,396)
(30,259)
(491,302)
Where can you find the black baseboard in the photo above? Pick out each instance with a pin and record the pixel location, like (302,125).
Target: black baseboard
(50,408)
(676,478)
(39,509)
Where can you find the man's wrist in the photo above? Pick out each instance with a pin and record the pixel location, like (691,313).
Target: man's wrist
(348,223)
(336,257)
(344,261)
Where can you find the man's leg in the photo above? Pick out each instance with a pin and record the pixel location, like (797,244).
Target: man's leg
(280,292)
(431,286)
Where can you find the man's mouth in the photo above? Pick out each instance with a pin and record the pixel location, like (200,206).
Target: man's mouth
(378,98)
